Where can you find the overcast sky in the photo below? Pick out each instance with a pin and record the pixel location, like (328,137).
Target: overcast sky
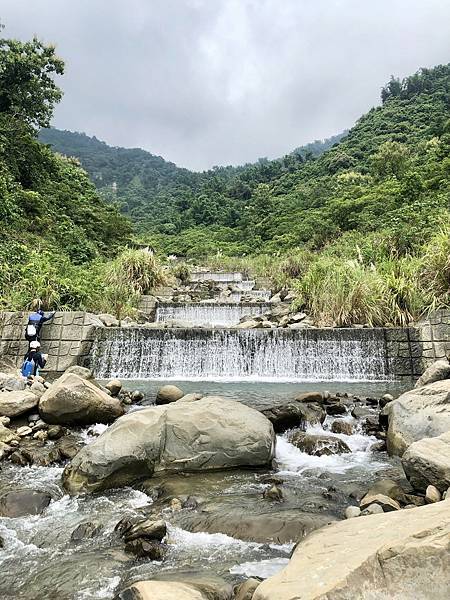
(209,82)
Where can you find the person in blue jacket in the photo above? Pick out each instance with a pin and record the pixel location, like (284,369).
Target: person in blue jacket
(33,360)
(34,326)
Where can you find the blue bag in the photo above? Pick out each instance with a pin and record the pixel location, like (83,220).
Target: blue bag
(27,368)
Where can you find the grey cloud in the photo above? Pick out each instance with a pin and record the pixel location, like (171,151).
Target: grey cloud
(205,82)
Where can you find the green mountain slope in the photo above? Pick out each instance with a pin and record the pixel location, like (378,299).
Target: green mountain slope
(159,196)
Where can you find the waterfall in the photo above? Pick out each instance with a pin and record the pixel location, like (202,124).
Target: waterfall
(218,277)
(276,354)
(212,315)
(246,285)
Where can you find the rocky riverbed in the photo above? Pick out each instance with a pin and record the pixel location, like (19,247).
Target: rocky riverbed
(202,497)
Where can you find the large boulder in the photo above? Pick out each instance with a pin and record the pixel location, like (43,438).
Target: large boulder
(420,413)
(73,400)
(427,462)
(14,404)
(318,444)
(436,372)
(393,555)
(211,433)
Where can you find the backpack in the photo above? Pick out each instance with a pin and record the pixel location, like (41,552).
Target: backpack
(27,368)
(31,331)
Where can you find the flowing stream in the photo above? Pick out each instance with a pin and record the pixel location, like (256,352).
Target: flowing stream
(276,354)
(261,368)
(39,559)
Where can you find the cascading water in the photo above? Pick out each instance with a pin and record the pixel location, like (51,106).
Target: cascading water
(276,354)
(261,295)
(213,315)
(246,285)
(219,277)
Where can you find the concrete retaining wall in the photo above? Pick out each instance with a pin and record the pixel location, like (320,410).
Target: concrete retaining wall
(67,339)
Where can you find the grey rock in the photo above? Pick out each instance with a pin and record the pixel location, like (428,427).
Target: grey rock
(211,433)
(435,372)
(318,445)
(427,462)
(14,404)
(352,511)
(73,400)
(23,502)
(168,393)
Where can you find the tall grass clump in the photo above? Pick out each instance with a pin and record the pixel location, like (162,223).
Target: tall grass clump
(435,275)
(131,274)
(339,293)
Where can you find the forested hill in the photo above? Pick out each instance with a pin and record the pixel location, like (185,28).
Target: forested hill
(154,192)
(388,176)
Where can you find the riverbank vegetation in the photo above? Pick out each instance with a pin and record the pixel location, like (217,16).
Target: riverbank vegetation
(357,225)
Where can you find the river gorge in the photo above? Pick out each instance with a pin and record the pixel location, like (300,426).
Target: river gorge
(223,525)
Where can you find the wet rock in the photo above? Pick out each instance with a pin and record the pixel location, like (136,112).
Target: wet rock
(386,503)
(415,500)
(33,418)
(432,494)
(318,445)
(6,435)
(69,446)
(361,411)
(114,386)
(273,493)
(33,452)
(388,487)
(437,371)
(352,511)
(392,555)
(148,529)
(145,548)
(420,413)
(343,427)
(13,404)
(5,450)
(279,527)
(385,400)
(191,503)
(23,502)
(294,414)
(336,409)
(371,425)
(54,432)
(137,397)
(309,397)
(427,462)
(40,435)
(168,393)
(73,400)
(245,591)
(212,433)
(84,531)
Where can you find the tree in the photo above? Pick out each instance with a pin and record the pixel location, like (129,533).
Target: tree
(28,91)
(391,159)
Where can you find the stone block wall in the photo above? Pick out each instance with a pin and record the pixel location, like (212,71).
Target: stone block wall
(67,339)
